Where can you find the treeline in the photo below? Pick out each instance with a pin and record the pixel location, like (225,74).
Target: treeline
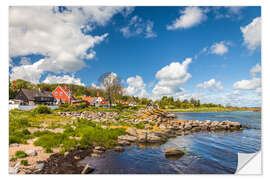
(78,91)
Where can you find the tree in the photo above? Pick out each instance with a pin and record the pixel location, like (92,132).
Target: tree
(112,86)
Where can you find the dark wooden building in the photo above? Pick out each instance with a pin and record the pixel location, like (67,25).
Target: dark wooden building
(33,97)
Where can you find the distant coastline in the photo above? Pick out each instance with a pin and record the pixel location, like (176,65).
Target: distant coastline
(214,109)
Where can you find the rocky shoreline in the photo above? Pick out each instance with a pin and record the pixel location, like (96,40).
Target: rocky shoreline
(165,126)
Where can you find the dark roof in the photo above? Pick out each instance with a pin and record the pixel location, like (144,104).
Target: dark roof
(31,94)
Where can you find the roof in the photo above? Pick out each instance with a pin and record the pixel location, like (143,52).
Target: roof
(88,98)
(31,94)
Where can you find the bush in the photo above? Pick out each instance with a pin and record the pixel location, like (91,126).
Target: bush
(42,109)
(20,137)
(24,162)
(20,154)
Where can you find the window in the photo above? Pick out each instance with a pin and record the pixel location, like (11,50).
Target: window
(56,93)
(61,93)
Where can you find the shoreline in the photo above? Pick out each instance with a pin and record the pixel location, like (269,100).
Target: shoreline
(162,126)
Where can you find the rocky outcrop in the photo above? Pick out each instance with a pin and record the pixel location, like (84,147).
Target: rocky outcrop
(173,152)
(90,115)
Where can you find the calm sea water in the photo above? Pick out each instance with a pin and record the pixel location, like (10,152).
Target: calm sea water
(207,153)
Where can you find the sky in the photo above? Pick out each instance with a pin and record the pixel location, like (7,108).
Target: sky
(208,53)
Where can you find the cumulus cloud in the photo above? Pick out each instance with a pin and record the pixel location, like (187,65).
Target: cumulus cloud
(252,34)
(219,48)
(137,26)
(250,84)
(171,77)
(254,70)
(57,35)
(52,79)
(136,86)
(190,16)
(231,12)
(212,83)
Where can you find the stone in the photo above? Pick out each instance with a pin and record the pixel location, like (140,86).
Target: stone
(40,166)
(127,138)
(118,148)
(87,169)
(100,148)
(97,151)
(152,138)
(13,170)
(76,157)
(142,138)
(123,142)
(235,124)
(131,131)
(31,152)
(174,152)
(18,165)
(94,155)
(14,145)
(66,153)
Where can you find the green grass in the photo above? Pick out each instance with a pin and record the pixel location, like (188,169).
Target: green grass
(20,154)
(24,162)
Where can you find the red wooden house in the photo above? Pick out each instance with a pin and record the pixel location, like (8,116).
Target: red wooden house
(63,94)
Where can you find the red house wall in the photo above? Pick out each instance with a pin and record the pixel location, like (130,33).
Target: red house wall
(63,98)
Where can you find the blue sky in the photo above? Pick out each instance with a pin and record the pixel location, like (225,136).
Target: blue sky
(210,53)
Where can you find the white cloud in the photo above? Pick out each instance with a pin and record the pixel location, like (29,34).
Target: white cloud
(137,26)
(52,79)
(252,34)
(251,84)
(219,48)
(212,83)
(254,70)
(171,77)
(55,35)
(190,16)
(136,86)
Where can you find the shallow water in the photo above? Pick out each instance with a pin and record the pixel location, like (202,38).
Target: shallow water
(207,153)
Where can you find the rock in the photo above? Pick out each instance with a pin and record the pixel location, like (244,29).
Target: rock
(76,157)
(40,166)
(123,142)
(14,145)
(18,165)
(94,155)
(131,131)
(87,169)
(142,138)
(152,138)
(13,170)
(173,152)
(31,152)
(98,151)
(100,148)
(235,124)
(118,148)
(127,138)
(66,153)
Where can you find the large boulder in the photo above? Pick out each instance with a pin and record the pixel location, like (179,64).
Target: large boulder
(173,152)
(152,138)
(118,148)
(127,138)
(123,142)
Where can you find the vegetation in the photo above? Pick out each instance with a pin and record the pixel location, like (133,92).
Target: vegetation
(20,154)
(42,109)
(24,162)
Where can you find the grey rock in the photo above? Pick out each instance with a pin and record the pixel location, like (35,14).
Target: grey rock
(95,155)
(31,152)
(127,138)
(174,152)
(13,170)
(40,166)
(87,169)
(118,148)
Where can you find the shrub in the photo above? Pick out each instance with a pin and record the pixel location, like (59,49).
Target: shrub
(48,150)
(42,109)
(24,162)
(20,154)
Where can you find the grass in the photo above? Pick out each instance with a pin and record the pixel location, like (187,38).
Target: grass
(88,133)
(20,154)
(24,162)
